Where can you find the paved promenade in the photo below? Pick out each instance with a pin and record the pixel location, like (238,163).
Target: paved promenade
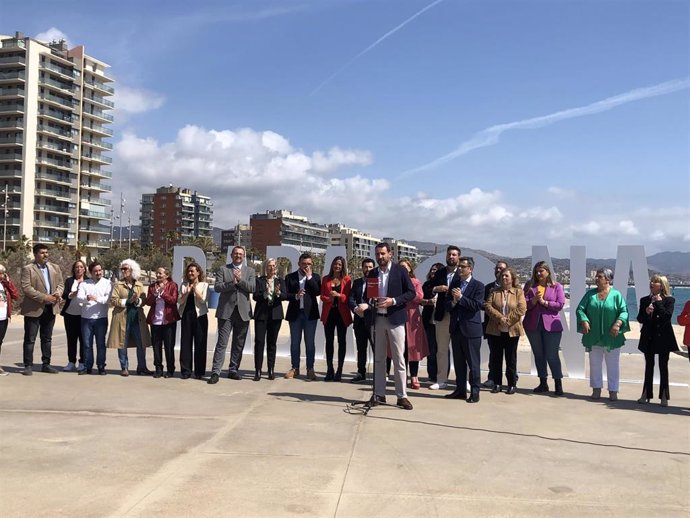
(109,446)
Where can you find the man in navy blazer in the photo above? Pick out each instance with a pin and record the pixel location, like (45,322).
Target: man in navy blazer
(359,305)
(395,292)
(464,306)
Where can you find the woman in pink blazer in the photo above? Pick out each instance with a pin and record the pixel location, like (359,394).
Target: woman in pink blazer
(545,298)
(416,344)
(335,314)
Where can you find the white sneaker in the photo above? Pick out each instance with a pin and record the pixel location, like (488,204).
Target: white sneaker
(81,367)
(3,372)
(438,386)
(69,367)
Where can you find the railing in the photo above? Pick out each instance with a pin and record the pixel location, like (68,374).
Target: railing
(57,115)
(52,208)
(11,140)
(60,70)
(54,130)
(100,115)
(17,123)
(69,103)
(17,74)
(98,158)
(12,91)
(99,129)
(58,84)
(13,59)
(10,156)
(14,107)
(100,100)
(100,86)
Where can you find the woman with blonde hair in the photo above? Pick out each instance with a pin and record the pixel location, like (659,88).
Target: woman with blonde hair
(657,336)
(128,323)
(505,306)
(269,295)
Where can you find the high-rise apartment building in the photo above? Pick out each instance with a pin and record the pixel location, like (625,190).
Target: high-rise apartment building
(358,244)
(283,227)
(239,235)
(401,249)
(53,122)
(174,215)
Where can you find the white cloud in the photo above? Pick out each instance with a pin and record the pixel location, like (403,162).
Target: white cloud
(136,100)
(53,34)
(559,192)
(247,171)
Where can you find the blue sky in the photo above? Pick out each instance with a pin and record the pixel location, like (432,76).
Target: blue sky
(341,109)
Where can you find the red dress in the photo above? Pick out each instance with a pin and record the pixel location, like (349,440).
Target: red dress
(417,345)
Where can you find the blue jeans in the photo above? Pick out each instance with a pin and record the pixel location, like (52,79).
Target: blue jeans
(90,328)
(297,328)
(545,346)
(135,333)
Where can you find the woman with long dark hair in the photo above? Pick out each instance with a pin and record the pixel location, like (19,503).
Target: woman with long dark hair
(335,314)
(71,316)
(193,308)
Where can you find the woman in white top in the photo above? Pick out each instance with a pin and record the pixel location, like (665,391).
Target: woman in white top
(71,315)
(193,308)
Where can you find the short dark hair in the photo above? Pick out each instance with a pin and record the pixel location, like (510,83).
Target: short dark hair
(367,260)
(93,265)
(305,255)
(502,261)
(38,247)
(384,244)
(453,247)
(467,259)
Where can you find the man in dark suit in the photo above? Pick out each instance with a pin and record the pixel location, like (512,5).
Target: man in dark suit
(302,288)
(464,306)
(395,290)
(234,282)
(441,282)
(42,284)
(359,305)
(498,269)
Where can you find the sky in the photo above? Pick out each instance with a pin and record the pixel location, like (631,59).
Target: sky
(490,124)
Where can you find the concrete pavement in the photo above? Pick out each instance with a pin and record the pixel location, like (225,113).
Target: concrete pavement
(110,446)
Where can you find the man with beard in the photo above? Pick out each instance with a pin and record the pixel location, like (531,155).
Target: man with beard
(395,290)
(441,281)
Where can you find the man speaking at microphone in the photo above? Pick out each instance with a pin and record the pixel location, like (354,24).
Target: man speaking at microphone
(395,290)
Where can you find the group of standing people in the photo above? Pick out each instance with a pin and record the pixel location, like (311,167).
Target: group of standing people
(382,305)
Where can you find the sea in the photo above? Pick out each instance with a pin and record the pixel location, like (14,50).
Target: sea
(680,293)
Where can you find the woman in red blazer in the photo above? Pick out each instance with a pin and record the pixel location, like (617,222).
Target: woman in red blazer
(684,320)
(416,344)
(163,317)
(8,293)
(335,314)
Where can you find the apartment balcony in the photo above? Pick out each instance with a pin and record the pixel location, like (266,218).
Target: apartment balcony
(94,157)
(54,130)
(62,87)
(12,141)
(11,108)
(62,149)
(58,179)
(63,72)
(51,224)
(59,116)
(12,124)
(94,228)
(101,187)
(94,214)
(12,76)
(99,115)
(61,102)
(108,90)
(101,130)
(58,195)
(12,93)
(10,157)
(12,60)
(48,207)
(100,201)
(97,172)
(65,166)
(99,144)
(99,101)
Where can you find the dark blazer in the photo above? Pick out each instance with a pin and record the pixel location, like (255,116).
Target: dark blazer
(428,311)
(400,288)
(65,294)
(441,279)
(358,296)
(657,333)
(263,309)
(465,316)
(312,288)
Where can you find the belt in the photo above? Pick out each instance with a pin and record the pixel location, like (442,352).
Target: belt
(384,315)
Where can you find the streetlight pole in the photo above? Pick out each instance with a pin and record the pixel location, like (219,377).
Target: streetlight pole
(129,228)
(112,226)
(122,213)
(4,224)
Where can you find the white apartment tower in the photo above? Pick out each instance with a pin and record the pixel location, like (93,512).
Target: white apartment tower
(53,122)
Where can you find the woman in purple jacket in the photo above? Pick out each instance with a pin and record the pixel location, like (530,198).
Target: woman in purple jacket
(545,298)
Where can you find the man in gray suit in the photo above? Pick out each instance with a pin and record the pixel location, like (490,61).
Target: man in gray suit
(234,282)
(42,284)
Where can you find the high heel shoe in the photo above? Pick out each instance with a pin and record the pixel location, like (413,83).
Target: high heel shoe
(329,375)
(643,398)
(664,401)
(271,374)
(338,375)
(415,384)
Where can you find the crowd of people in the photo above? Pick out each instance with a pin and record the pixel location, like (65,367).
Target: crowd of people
(383,305)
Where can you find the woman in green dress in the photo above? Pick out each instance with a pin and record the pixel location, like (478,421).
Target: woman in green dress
(602,318)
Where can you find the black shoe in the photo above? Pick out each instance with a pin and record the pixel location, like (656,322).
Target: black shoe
(89,371)
(558,390)
(330,374)
(496,389)
(48,369)
(213,379)
(185,376)
(542,387)
(511,390)
(198,376)
(101,371)
(457,394)
(83,371)
(474,398)
(143,371)
(234,375)
(404,403)
(338,375)
(158,374)
(28,371)
(168,374)
(257,376)
(271,374)
(377,400)
(359,378)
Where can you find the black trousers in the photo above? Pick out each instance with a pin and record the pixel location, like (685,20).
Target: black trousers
(363,340)
(3,330)
(73,332)
(335,321)
(193,343)
(163,336)
(663,375)
(32,326)
(266,333)
(466,356)
(501,346)
(431,365)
